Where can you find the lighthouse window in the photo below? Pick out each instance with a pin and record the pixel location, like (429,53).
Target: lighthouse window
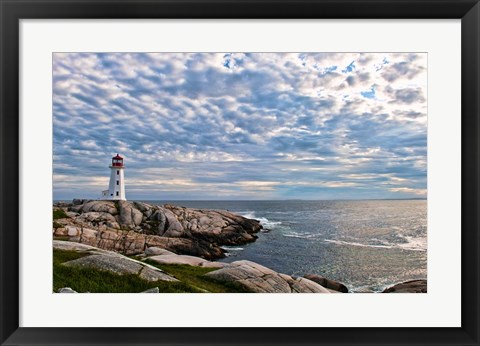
(117,193)
(117,182)
(118,172)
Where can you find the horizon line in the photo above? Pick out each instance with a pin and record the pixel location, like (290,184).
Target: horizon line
(255,200)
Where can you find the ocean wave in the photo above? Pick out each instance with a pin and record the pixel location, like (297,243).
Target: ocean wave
(232,248)
(294,234)
(266,223)
(412,244)
(341,242)
(247,214)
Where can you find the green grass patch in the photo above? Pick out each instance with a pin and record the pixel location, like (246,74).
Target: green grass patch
(59,214)
(62,256)
(99,281)
(194,276)
(57,225)
(61,237)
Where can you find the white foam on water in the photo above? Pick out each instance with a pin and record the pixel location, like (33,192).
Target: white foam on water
(248,214)
(266,223)
(232,248)
(341,242)
(293,234)
(414,243)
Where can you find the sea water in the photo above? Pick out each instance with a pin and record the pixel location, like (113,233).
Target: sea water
(367,245)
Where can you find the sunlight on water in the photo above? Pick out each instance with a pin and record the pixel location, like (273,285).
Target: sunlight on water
(367,245)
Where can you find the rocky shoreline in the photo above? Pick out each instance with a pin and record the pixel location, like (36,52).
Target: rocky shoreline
(131,227)
(109,231)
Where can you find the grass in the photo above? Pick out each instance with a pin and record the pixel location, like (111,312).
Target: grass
(61,237)
(98,281)
(59,214)
(92,280)
(194,276)
(57,225)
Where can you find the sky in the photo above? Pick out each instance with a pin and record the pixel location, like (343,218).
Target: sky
(241,126)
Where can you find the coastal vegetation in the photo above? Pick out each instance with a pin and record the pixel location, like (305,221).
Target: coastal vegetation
(59,214)
(94,280)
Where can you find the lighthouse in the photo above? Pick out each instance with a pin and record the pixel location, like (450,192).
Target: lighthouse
(116,188)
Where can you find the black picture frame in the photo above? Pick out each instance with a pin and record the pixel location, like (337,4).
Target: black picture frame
(13,10)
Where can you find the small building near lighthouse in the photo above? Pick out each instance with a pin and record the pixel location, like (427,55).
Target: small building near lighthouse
(116,187)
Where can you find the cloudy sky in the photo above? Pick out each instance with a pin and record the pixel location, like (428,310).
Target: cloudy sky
(241,125)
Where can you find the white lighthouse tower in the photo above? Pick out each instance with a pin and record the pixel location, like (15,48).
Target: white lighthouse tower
(116,188)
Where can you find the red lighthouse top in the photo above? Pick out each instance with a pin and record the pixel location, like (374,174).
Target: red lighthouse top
(117,161)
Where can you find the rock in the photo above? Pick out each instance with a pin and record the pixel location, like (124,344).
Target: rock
(72,231)
(96,217)
(59,232)
(183,246)
(114,264)
(413,286)
(327,283)
(128,227)
(188,260)
(66,290)
(128,214)
(254,277)
(155,251)
(71,214)
(210,264)
(173,227)
(71,246)
(152,274)
(218,226)
(99,206)
(111,261)
(152,290)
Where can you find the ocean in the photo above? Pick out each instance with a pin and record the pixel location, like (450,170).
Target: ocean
(367,245)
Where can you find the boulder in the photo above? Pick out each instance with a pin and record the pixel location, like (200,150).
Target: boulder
(77,201)
(158,221)
(114,264)
(327,283)
(72,231)
(184,246)
(173,228)
(95,217)
(184,259)
(66,290)
(99,206)
(254,277)
(60,232)
(152,274)
(128,215)
(111,262)
(155,251)
(72,246)
(412,286)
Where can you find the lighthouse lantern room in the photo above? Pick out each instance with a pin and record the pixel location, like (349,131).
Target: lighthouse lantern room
(116,188)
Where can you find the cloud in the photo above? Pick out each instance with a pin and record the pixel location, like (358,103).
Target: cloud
(241,125)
